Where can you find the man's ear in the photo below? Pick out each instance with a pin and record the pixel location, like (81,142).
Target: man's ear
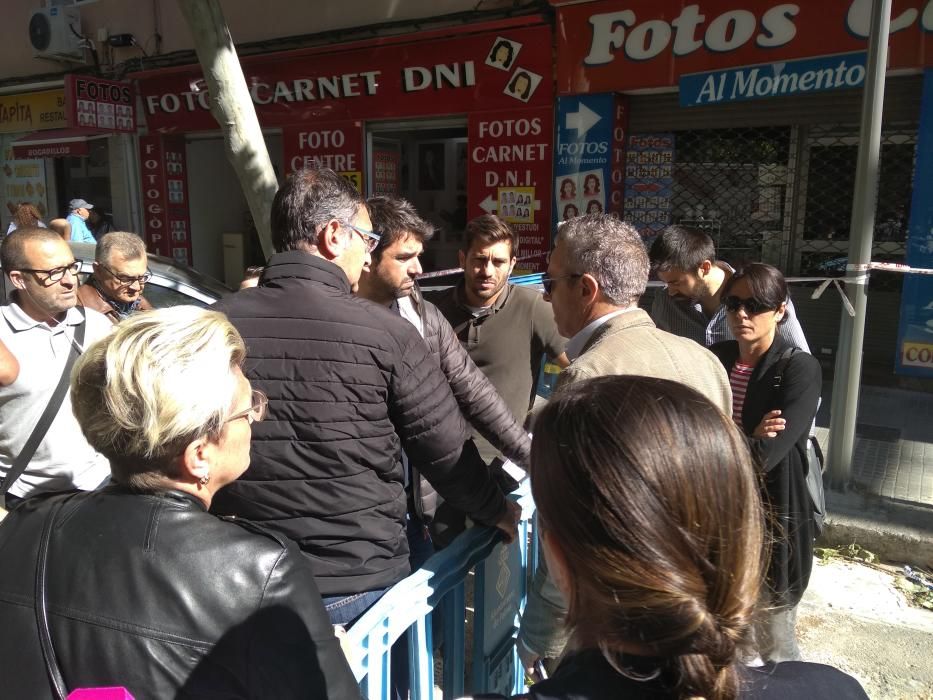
(461,258)
(512,264)
(704,268)
(589,288)
(16,277)
(332,240)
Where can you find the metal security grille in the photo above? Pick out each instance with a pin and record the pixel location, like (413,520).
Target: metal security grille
(781,195)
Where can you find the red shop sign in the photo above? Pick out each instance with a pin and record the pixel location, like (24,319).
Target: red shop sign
(337,145)
(165,196)
(494,69)
(95,103)
(635,44)
(510,174)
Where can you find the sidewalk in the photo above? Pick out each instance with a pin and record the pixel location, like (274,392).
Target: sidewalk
(888,507)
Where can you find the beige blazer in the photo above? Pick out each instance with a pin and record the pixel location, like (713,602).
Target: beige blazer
(630,343)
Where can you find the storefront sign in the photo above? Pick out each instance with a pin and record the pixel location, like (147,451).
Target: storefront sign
(165,196)
(338,146)
(915,335)
(649,182)
(510,159)
(32,111)
(583,155)
(774,80)
(491,70)
(633,44)
(23,181)
(96,103)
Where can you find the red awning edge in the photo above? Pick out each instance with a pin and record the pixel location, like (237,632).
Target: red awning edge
(55,143)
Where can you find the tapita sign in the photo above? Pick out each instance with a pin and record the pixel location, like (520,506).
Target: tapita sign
(773,80)
(616,45)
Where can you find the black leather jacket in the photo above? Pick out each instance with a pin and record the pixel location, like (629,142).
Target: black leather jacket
(151,592)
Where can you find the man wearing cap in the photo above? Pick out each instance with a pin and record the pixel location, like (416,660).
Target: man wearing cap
(78,211)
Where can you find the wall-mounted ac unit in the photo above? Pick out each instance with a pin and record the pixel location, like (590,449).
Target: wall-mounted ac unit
(55,32)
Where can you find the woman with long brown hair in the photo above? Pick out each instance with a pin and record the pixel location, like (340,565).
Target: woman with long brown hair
(25,215)
(652,527)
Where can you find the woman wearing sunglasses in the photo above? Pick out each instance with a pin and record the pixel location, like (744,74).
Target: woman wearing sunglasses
(776,392)
(136,584)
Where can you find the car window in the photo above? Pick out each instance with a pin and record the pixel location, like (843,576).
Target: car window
(161,297)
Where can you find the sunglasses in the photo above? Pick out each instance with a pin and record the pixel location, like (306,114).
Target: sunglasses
(548,282)
(752,306)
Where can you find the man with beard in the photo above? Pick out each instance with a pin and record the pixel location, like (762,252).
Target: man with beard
(685,260)
(506,329)
(44,332)
(390,281)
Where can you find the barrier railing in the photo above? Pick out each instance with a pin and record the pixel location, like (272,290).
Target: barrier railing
(438,588)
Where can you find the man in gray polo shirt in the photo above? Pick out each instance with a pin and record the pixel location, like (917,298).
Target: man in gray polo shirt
(38,327)
(506,329)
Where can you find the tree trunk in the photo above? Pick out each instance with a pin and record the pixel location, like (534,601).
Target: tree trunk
(234,111)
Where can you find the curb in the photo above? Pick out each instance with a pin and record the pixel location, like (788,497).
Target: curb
(893,530)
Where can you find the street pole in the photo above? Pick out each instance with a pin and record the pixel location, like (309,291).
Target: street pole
(844,408)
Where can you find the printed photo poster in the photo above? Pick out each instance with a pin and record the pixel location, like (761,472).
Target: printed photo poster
(516,204)
(580,193)
(649,182)
(386,172)
(22,181)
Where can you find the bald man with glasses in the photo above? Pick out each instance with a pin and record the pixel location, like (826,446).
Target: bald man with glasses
(121,270)
(42,448)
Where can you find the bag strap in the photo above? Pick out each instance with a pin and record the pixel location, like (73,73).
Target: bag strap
(56,679)
(51,410)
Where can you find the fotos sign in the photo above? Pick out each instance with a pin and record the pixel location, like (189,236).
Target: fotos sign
(637,44)
(95,103)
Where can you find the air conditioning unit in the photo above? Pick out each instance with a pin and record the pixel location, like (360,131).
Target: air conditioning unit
(55,32)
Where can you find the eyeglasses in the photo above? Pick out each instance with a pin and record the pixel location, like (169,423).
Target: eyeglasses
(257,410)
(370,238)
(127,280)
(752,306)
(56,273)
(548,282)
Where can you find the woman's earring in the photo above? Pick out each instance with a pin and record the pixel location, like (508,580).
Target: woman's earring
(204,479)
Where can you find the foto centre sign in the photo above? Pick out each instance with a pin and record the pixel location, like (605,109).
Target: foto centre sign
(762,81)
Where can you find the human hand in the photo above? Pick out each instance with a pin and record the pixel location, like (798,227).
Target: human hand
(532,664)
(508,523)
(771,424)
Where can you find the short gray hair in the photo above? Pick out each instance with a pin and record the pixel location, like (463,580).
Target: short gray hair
(306,202)
(161,380)
(125,244)
(611,251)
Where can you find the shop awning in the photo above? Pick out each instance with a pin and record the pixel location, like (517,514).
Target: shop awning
(54,143)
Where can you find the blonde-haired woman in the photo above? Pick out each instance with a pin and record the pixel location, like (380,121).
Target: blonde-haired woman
(652,527)
(140,586)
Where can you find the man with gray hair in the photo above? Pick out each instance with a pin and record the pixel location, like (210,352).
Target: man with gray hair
(596,274)
(121,270)
(349,384)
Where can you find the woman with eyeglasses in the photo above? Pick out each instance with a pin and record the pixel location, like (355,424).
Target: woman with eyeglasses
(136,584)
(775,396)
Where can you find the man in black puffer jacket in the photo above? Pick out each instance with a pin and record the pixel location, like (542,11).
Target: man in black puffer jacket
(390,282)
(349,385)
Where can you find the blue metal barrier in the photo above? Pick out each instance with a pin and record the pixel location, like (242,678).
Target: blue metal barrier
(500,582)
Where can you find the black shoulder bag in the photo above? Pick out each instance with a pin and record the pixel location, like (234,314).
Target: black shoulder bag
(815,462)
(22,460)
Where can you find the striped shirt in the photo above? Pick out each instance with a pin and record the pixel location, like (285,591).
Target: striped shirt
(738,380)
(688,320)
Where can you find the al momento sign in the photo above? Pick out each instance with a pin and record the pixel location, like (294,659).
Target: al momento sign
(639,44)
(417,75)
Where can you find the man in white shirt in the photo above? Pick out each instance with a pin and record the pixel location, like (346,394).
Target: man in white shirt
(39,328)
